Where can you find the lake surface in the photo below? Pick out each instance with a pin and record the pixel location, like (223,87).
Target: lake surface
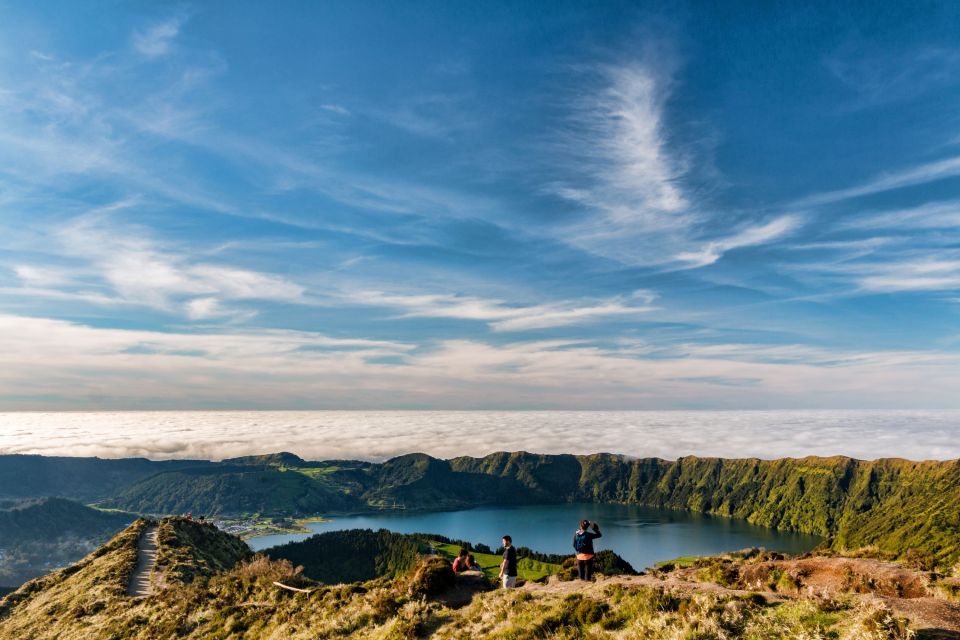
(641,535)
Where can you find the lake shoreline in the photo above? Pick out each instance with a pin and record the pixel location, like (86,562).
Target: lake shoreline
(642,535)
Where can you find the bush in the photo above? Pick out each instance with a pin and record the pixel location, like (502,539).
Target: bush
(568,570)
(610,564)
(262,568)
(922,560)
(432,576)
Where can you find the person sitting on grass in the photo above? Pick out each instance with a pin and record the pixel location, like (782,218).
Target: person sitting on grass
(473,564)
(583,545)
(462,562)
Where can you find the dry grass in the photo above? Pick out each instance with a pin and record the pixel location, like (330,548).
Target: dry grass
(87,602)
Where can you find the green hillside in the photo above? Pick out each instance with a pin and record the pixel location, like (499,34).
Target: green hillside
(230,490)
(527,568)
(364,554)
(40,535)
(52,518)
(897,506)
(85,479)
(352,556)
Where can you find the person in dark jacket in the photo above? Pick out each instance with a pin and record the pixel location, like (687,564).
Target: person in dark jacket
(583,545)
(508,568)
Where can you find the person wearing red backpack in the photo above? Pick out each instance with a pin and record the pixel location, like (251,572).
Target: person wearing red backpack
(583,545)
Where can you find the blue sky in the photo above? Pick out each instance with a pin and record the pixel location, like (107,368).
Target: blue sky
(483,205)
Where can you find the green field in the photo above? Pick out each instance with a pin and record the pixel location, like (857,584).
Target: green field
(681,563)
(526,568)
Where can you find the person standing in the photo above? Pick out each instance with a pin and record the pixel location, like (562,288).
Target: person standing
(583,545)
(508,568)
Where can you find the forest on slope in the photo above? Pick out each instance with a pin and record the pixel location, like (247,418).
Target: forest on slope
(897,506)
(39,535)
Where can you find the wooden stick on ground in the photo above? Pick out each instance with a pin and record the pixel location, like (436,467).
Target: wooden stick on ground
(289,588)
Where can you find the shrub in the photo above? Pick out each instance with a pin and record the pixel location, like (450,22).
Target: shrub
(922,560)
(610,564)
(432,576)
(262,567)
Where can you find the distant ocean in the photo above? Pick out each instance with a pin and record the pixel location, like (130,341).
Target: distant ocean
(376,435)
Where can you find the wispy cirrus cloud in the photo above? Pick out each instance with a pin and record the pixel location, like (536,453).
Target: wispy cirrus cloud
(636,208)
(920,274)
(879,77)
(500,316)
(158,39)
(930,215)
(907,177)
(634,200)
(750,236)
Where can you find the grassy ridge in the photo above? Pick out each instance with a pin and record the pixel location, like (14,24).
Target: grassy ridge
(88,602)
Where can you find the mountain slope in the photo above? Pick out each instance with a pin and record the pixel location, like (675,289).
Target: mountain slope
(57,518)
(89,599)
(898,506)
(230,490)
(37,536)
(87,479)
(352,556)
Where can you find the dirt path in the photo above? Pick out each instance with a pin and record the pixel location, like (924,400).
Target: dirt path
(141,583)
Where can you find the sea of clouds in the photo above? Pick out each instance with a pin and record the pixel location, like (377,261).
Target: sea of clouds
(377,435)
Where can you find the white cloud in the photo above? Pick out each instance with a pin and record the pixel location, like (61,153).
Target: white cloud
(748,237)
(909,269)
(33,276)
(126,261)
(634,202)
(926,274)
(636,210)
(625,120)
(500,316)
(335,108)
(211,308)
(83,366)
(377,435)
(158,39)
(931,215)
(921,174)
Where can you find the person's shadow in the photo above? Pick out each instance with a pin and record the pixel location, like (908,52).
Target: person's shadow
(937,634)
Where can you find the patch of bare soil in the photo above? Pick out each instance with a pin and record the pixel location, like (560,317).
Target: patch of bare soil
(834,576)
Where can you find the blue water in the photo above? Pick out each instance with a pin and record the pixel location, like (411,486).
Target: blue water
(641,535)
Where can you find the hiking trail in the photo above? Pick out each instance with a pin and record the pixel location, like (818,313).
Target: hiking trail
(141,582)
